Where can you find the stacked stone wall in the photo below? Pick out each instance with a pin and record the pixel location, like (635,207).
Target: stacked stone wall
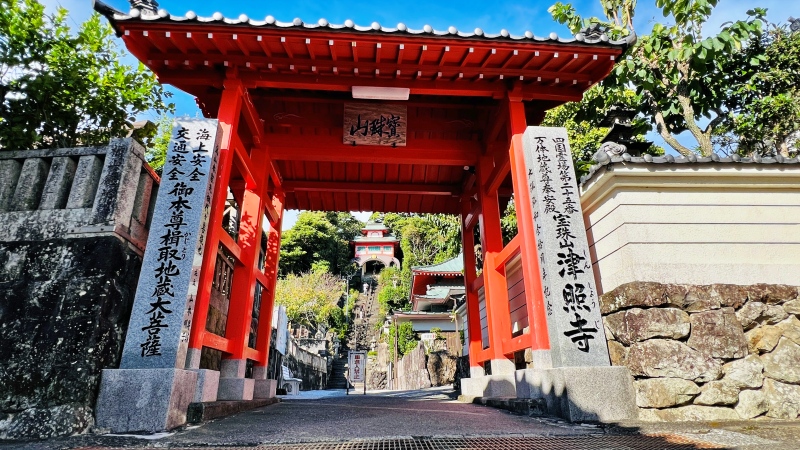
(711,352)
(427,366)
(73,223)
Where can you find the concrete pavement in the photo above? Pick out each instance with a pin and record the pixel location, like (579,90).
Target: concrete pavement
(433,416)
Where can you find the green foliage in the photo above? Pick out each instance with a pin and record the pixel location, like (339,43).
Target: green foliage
(392,293)
(508,223)
(157,150)
(60,88)
(438,332)
(765,98)
(581,121)
(319,240)
(312,299)
(424,239)
(678,74)
(406,339)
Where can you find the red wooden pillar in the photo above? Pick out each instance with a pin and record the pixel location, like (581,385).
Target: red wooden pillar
(229,110)
(494,282)
(268,295)
(241,301)
(470,276)
(527,232)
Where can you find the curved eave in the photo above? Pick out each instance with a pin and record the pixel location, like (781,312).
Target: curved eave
(117,18)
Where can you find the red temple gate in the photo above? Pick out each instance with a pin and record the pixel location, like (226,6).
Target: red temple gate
(280,91)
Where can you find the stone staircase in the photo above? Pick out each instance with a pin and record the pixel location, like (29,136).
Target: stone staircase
(338,370)
(366,312)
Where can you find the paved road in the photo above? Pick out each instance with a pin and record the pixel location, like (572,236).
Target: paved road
(414,418)
(375,415)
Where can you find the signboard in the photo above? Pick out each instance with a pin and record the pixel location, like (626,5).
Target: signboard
(357,366)
(281,324)
(158,332)
(427,337)
(577,337)
(375,124)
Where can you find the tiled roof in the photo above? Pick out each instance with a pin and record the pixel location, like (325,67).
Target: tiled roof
(451,265)
(365,239)
(604,160)
(584,37)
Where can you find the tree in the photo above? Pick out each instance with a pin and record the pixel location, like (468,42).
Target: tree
(157,150)
(312,299)
(764,99)
(679,75)
(582,119)
(424,239)
(61,89)
(406,339)
(319,238)
(392,293)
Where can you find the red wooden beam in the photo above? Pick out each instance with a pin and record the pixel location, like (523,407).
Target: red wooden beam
(227,241)
(216,342)
(516,344)
(499,173)
(483,88)
(364,67)
(330,148)
(509,251)
(242,161)
(371,188)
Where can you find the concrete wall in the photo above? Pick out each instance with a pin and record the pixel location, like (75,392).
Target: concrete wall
(694,223)
(73,223)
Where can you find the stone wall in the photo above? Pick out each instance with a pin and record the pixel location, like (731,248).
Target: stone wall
(73,226)
(711,352)
(412,370)
(312,368)
(427,366)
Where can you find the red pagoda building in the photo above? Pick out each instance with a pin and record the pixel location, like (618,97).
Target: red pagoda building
(376,246)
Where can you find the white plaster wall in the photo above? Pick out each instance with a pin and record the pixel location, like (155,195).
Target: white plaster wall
(698,224)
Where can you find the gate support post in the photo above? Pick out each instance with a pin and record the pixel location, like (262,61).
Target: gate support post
(526,230)
(265,388)
(470,276)
(494,282)
(233,384)
(229,109)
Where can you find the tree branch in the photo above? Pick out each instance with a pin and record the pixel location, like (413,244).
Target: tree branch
(663,130)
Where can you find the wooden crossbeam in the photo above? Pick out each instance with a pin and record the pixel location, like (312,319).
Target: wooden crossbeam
(372,188)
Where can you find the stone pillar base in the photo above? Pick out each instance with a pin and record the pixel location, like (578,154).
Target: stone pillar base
(235,389)
(577,394)
(148,400)
(207,385)
(582,394)
(503,385)
(265,389)
(503,366)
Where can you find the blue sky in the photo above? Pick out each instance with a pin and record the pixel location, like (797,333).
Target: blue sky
(492,16)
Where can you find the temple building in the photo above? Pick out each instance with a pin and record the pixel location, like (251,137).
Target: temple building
(436,291)
(375,248)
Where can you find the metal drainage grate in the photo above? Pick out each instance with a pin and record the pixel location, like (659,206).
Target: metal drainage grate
(627,442)
(635,442)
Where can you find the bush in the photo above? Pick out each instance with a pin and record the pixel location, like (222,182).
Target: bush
(407,339)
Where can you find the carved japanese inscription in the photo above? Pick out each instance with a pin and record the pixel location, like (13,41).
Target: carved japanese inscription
(575,327)
(375,124)
(161,320)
